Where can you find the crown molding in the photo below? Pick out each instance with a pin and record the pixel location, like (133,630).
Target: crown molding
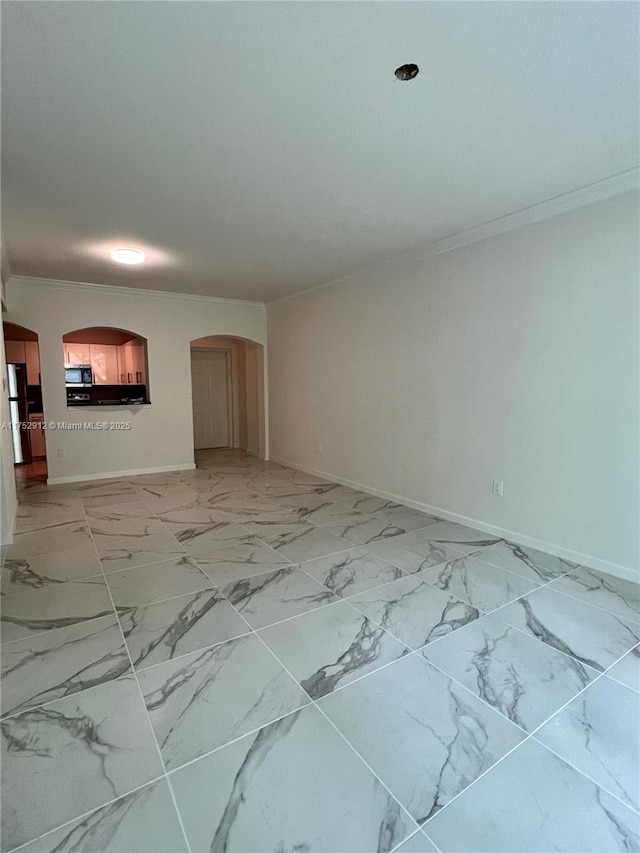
(599,191)
(113,290)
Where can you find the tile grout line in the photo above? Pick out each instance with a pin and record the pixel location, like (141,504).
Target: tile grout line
(416,651)
(528,736)
(88,813)
(144,704)
(314,703)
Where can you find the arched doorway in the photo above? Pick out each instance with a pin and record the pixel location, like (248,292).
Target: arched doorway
(227,387)
(25,404)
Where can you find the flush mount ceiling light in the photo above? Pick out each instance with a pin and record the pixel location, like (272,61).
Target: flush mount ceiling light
(407,72)
(127,256)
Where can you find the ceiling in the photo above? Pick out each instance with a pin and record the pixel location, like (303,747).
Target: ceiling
(257,149)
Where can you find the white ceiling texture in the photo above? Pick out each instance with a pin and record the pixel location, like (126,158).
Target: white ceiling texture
(253,150)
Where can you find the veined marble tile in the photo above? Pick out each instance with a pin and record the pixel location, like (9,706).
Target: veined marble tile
(414,611)
(245,508)
(234,562)
(279,516)
(198,478)
(55,606)
(412,552)
(588,634)
(481,584)
(201,539)
(158,479)
(110,515)
(332,509)
(368,528)
(597,734)
(296,494)
(403,516)
(297,541)
(201,701)
(48,502)
(523,679)
(118,525)
(615,595)
(25,573)
(459,537)
(59,663)
(156,582)
(268,598)
(330,647)
(167,498)
(34,516)
(209,492)
(434,544)
(423,735)
(349,572)
(142,822)
(107,494)
(159,632)
(531,802)
(311,508)
(418,843)
(100,738)
(48,539)
(198,516)
(627,670)
(295,785)
(127,552)
(526,562)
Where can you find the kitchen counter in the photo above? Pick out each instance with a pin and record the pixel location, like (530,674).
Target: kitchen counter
(96,403)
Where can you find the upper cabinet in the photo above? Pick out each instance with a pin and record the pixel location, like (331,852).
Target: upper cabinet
(14,352)
(77,354)
(23,350)
(132,363)
(32,356)
(116,357)
(103,359)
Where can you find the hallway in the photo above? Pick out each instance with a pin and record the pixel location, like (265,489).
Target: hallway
(244,657)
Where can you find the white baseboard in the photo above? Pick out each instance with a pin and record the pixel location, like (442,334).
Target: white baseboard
(111,475)
(592,562)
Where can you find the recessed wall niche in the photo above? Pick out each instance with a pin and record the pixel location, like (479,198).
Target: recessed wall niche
(105,366)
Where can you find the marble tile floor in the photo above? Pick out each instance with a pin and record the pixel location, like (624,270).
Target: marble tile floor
(247,658)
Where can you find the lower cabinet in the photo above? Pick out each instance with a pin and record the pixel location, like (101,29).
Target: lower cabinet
(36,434)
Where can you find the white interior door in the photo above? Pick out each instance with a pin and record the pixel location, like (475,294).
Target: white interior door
(209,383)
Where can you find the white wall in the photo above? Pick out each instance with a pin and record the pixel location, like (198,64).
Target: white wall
(254,429)
(162,433)
(514,358)
(8,499)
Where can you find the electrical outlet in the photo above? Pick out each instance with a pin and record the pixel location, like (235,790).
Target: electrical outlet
(319,447)
(497,488)
(61,451)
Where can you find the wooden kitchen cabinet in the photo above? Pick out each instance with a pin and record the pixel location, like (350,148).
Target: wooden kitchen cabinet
(132,364)
(77,354)
(15,352)
(104,364)
(115,361)
(139,372)
(36,434)
(32,355)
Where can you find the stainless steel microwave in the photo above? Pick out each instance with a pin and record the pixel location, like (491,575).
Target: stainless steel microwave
(78,376)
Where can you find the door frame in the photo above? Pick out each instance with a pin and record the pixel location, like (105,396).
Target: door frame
(231,413)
